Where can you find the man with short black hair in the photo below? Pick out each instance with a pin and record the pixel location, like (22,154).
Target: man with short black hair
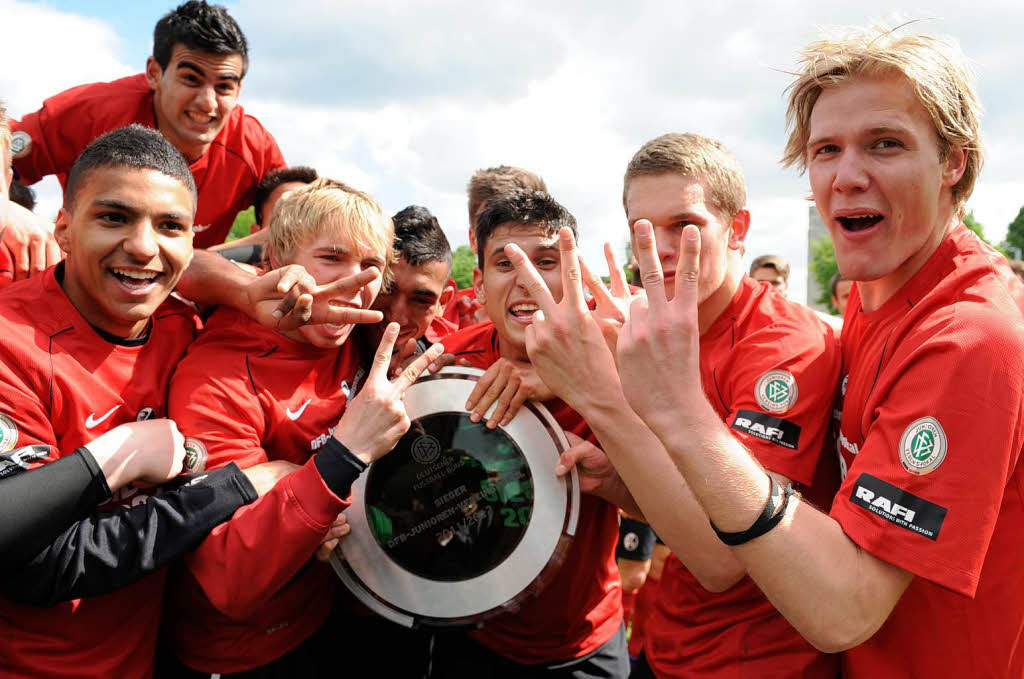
(189,92)
(840,288)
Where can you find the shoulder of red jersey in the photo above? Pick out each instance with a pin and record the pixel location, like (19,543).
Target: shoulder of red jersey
(96,106)
(471,338)
(247,138)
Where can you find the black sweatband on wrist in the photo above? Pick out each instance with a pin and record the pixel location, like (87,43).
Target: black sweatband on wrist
(768,519)
(338,466)
(636,540)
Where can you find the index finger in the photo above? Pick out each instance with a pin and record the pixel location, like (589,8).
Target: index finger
(571,286)
(535,285)
(616,276)
(347,284)
(382,357)
(413,371)
(650,264)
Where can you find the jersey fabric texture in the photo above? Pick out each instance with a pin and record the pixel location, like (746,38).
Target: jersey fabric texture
(931,434)
(63,385)
(581,608)
(252,591)
(226,175)
(769,368)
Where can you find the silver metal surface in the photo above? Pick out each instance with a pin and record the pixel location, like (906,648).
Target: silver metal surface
(409,599)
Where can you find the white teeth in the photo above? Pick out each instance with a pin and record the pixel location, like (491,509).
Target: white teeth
(524,308)
(199,118)
(137,275)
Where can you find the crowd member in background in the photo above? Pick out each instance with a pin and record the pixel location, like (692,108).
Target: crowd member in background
(840,288)
(252,596)
(23,195)
(88,346)
(773,270)
(769,371)
(6,261)
(420,283)
(927,523)
(573,628)
(189,92)
(1018,268)
(249,249)
(486,185)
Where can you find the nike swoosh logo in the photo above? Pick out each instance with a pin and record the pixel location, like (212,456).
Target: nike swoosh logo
(298,413)
(92,420)
(199,228)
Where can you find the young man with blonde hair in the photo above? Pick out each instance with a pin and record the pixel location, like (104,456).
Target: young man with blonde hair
(768,368)
(924,533)
(253,596)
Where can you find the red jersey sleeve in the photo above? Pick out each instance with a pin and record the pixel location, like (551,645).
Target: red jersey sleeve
(51,138)
(212,401)
(943,435)
(779,394)
(24,419)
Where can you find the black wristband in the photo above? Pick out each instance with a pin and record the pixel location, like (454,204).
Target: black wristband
(636,540)
(769,518)
(338,466)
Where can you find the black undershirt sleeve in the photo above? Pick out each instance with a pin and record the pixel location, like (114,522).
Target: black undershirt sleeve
(338,467)
(112,549)
(36,506)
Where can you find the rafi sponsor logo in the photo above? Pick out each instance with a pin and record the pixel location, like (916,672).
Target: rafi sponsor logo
(92,421)
(8,434)
(20,459)
(776,391)
(426,449)
(631,541)
(767,428)
(923,446)
(897,506)
(21,144)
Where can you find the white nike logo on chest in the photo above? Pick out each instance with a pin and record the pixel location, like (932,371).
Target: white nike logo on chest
(298,413)
(92,420)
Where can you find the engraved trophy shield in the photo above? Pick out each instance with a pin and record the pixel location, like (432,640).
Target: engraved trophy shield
(458,522)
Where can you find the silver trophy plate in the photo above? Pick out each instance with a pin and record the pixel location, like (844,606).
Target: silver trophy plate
(458,522)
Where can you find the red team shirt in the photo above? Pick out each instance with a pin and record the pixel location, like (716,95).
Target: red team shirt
(581,608)
(769,368)
(931,432)
(62,384)
(226,176)
(252,591)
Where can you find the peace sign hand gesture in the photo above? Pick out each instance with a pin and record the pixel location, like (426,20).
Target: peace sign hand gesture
(659,345)
(375,419)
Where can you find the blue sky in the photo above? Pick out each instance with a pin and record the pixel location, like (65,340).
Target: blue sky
(406,99)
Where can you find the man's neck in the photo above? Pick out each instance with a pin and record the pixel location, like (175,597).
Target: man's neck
(719,300)
(85,306)
(873,294)
(192,152)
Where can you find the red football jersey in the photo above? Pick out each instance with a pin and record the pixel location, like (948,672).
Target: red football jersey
(226,176)
(6,265)
(769,368)
(62,384)
(581,608)
(931,432)
(253,591)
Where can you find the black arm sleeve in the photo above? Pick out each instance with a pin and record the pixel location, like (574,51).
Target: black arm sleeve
(37,506)
(636,540)
(338,467)
(112,549)
(247,254)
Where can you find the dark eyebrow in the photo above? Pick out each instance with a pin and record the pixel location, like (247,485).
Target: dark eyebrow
(127,209)
(333,249)
(194,67)
(425,292)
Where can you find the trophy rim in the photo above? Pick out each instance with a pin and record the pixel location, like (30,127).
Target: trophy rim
(366,569)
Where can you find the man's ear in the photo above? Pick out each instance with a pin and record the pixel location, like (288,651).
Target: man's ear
(60,230)
(153,73)
(738,229)
(478,285)
(954,166)
(446,295)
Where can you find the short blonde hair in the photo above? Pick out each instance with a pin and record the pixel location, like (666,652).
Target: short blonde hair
(697,158)
(935,66)
(327,205)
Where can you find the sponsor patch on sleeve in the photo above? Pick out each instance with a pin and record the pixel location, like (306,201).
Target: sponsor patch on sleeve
(20,459)
(897,506)
(767,428)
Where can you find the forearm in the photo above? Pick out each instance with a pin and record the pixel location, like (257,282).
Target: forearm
(833,592)
(210,280)
(38,505)
(663,495)
(109,550)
